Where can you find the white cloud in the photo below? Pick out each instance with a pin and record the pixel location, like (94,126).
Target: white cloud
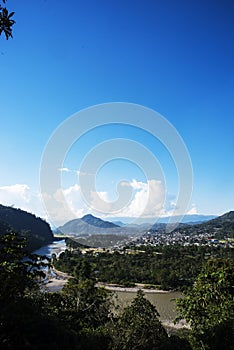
(74,200)
(81,173)
(14,194)
(64,170)
(146,199)
(193,210)
(21,196)
(138,185)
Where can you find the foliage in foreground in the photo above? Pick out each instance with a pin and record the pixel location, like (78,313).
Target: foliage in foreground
(6,21)
(209,306)
(81,316)
(139,328)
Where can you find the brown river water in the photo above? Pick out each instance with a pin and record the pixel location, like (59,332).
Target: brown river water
(164,302)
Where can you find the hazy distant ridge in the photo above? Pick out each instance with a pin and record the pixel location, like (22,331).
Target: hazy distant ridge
(90,224)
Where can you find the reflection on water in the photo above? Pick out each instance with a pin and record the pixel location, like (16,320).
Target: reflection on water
(163,302)
(56,247)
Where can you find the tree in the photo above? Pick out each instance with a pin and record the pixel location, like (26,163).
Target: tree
(139,327)
(20,320)
(19,271)
(6,21)
(88,304)
(209,306)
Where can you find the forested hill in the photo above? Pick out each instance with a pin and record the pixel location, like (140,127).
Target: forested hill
(220,227)
(227,217)
(88,224)
(36,231)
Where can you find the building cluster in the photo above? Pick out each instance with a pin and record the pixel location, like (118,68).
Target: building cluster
(156,238)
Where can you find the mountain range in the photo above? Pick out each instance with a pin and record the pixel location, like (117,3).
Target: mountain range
(187,219)
(38,232)
(91,225)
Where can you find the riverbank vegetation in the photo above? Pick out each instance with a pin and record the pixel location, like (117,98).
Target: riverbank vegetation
(166,267)
(82,315)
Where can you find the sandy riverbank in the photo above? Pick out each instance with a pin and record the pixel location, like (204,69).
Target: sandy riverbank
(54,285)
(172,327)
(55,280)
(115,288)
(58,279)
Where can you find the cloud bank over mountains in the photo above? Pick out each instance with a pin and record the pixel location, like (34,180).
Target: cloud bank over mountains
(148,200)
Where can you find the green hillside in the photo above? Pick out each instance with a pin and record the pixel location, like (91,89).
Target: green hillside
(220,227)
(36,231)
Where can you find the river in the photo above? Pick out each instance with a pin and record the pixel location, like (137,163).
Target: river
(56,247)
(164,302)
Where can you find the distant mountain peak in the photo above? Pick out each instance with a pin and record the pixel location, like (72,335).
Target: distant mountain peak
(94,221)
(87,224)
(88,217)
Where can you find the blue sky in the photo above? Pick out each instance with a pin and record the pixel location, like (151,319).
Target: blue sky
(176,57)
